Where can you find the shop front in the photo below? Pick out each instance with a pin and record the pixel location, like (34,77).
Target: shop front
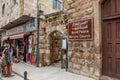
(16,36)
(23,38)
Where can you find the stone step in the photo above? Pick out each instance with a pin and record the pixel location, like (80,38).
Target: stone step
(108,78)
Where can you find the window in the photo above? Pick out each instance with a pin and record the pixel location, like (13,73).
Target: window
(57,4)
(15,1)
(3,9)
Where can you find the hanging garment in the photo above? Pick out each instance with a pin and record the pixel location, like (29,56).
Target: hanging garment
(32,59)
(35,50)
(11,56)
(30,40)
(30,49)
(28,57)
(26,48)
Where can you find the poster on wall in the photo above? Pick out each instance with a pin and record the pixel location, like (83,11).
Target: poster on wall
(30,26)
(30,39)
(81,29)
(64,43)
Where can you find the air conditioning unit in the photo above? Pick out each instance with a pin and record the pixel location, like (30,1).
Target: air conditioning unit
(42,7)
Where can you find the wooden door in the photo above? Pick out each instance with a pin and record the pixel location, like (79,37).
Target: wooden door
(55,47)
(111,47)
(111,37)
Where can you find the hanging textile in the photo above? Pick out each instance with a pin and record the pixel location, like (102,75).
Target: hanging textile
(30,44)
(32,59)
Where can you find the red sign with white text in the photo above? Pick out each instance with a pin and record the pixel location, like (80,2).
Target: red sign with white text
(81,30)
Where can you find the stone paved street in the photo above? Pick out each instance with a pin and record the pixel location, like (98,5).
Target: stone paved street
(14,77)
(44,73)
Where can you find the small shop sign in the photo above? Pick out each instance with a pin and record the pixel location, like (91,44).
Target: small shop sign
(14,31)
(81,29)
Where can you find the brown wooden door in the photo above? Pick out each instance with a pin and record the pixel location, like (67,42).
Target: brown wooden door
(111,47)
(111,37)
(55,47)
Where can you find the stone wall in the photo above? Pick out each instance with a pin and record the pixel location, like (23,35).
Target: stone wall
(21,8)
(12,11)
(30,7)
(108,78)
(50,25)
(84,56)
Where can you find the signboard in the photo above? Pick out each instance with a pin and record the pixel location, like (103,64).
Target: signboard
(30,26)
(14,31)
(81,29)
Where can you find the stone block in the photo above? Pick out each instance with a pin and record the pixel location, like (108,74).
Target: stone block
(75,71)
(71,11)
(108,78)
(81,62)
(76,66)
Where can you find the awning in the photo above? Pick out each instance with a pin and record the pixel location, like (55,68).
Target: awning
(4,38)
(13,37)
(17,36)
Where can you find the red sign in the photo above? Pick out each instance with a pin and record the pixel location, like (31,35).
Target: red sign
(17,36)
(81,30)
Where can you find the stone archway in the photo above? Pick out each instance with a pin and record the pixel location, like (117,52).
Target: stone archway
(55,39)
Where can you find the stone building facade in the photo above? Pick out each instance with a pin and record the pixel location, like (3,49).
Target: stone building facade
(23,9)
(88,57)
(15,10)
(16,13)
(85,57)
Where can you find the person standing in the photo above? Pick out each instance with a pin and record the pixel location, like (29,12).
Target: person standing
(6,61)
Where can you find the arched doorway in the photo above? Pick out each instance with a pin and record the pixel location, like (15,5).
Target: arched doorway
(111,37)
(55,47)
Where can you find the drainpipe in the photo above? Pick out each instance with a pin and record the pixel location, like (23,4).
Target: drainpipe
(38,28)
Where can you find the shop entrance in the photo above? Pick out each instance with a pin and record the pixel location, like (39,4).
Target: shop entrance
(111,37)
(55,48)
